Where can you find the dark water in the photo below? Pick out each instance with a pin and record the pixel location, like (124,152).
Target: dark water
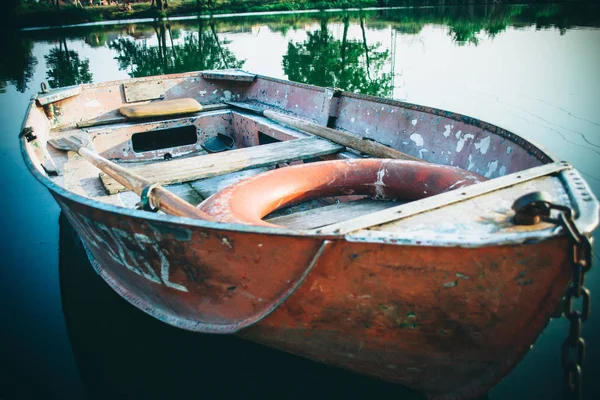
(65,334)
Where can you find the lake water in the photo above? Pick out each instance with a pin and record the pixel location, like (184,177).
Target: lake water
(533,70)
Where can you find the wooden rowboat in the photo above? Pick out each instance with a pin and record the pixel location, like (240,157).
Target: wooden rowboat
(443,294)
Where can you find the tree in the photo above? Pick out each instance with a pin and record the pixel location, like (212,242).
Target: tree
(17,64)
(65,68)
(160,4)
(199,51)
(348,64)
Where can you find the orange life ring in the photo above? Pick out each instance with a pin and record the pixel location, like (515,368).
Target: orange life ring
(248,201)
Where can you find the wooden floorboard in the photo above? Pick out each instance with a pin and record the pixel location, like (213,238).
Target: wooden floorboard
(322,216)
(194,168)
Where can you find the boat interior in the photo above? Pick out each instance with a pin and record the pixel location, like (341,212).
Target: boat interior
(197,154)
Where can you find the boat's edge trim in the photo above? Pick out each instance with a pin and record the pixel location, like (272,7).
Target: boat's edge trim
(583,200)
(442,200)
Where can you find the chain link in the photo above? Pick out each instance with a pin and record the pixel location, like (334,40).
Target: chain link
(573,348)
(536,207)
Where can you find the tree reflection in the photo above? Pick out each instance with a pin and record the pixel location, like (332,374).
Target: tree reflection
(65,68)
(351,64)
(17,63)
(200,50)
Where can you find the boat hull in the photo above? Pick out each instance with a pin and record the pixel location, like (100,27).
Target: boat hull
(449,322)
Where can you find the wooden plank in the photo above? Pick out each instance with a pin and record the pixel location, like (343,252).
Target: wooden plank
(442,200)
(57,95)
(210,186)
(229,75)
(201,167)
(164,108)
(350,140)
(318,217)
(184,191)
(112,119)
(145,90)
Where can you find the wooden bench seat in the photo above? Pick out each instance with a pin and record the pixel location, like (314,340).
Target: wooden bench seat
(210,165)
(327,215)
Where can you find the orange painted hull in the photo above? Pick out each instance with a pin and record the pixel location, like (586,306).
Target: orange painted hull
(448,322)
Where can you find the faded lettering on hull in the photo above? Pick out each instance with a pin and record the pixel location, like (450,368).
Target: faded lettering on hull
(122,247)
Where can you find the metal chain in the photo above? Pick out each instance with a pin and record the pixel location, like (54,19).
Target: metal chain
(531,209)
(573,348)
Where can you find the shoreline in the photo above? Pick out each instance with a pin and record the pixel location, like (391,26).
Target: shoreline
(214,16)
(38,17)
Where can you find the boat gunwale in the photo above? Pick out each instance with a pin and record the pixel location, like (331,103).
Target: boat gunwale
(539,152)
(584,222)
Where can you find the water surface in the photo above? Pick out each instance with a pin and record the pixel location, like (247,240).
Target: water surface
(532,70)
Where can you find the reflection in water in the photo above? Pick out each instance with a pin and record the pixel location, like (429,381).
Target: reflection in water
(122,353)
(355,64)
(65,68)
(17,64)
(348,64)
(200,50)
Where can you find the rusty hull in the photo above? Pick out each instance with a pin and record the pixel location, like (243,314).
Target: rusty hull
(449,322)
(446,317)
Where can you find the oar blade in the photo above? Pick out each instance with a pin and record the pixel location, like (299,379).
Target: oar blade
(69,143)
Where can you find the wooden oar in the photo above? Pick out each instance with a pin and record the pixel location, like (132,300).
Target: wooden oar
(159,197)
(345,139)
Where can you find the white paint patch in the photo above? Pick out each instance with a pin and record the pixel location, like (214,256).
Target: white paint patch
(492,167)
(448,130)
(414,122)
(418,139)
(367,131)
(421,152)
(216,90)
(483,145)
(461,142)
(471,163)
(508,149)
(502,171)
(458,134)
(379,185)
(352,119)
(227,95)
(202,92)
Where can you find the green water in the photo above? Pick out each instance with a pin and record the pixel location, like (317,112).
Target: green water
(533,70)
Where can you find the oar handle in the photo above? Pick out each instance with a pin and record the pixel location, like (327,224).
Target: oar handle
(160,197)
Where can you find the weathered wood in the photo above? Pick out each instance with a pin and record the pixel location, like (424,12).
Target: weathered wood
(322,216)
(145,90)
(200,167)
(57,95)
(184,191)
(442,200)
(103,120)
(210,186)
(229,75)
(159,197)
(346,139)
(163,108)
